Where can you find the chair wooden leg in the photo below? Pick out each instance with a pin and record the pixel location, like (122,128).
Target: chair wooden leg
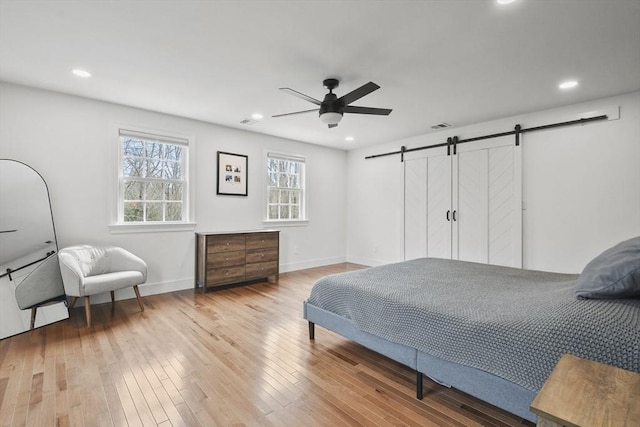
(113,297)
(87,310)
(33,316)
(73,301)
(135,288)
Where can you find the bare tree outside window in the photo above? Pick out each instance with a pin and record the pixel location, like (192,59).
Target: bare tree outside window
(152,180)
(285,188)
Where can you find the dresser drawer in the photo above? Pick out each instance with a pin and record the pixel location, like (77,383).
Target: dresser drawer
(225,243)
(261,269)
(225,275)
(262,240)
(225,259)
(262,255)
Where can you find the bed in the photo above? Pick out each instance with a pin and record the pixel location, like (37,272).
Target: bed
(493,332)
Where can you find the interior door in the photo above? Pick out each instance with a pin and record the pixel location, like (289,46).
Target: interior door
(466,206)
(427,201)
(487,201)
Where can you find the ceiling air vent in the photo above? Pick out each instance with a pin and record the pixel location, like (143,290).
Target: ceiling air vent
(441,125)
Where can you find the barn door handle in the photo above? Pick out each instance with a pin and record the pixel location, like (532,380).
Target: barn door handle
(454,215)
(448,213)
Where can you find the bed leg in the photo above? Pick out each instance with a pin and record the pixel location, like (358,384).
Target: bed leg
(312,331)
(419,385)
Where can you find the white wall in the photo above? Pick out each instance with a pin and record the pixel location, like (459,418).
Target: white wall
(67,139)
(581,187)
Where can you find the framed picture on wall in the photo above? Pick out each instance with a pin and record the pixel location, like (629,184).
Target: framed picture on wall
(232,174)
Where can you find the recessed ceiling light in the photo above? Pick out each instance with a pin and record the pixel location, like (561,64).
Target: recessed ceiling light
(569,84)
(81,73)
(505,1)
(257,116)
(349,138)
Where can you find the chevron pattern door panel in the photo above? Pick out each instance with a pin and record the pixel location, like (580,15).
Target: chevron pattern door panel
(472,206)
(415,208)
(466,206)
(504,208)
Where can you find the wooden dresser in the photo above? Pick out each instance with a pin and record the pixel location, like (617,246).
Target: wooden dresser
(227,258)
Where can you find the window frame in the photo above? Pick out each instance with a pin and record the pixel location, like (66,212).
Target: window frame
(304,200)
(118,225)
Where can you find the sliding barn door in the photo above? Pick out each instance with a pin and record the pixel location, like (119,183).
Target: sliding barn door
(465,206)
(427,200)
(487,201)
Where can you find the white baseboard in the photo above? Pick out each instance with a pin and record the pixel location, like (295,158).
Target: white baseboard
(284,268)
(146,289)
(372,262)
(188,283)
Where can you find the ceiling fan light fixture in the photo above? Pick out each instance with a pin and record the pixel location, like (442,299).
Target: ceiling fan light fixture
(331,118)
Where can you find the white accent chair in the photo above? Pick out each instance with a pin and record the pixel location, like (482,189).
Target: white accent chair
(88,270)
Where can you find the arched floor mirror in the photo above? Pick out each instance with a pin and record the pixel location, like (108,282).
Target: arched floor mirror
(31,290)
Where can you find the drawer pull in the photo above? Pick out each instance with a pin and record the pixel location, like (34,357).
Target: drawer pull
(227,243)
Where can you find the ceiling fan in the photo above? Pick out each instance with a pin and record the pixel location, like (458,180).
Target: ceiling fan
(332,108)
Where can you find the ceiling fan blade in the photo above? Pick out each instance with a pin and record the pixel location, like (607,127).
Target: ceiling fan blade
(333,126)
(301,95)
(297,112)
(367,110)
(356,94)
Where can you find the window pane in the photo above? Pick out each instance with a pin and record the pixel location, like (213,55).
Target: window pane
(284,212)
(172,170)
(274,195)
(272,166)
(133,190)
(173,152)
(133,212)
(295,197)
(282,180)
(154,168)
(133,167)
(132,147)
(284,196)
(154,212)
(282,165)
(153,150)
(295,212)
(154,191)
(173,191)
(273,211)
(293,181)
(273,180)
(174,212)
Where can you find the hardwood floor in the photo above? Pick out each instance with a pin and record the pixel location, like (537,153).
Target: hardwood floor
(237,357)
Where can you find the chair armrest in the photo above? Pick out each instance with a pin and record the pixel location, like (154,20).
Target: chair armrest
(123,260)
(72,276)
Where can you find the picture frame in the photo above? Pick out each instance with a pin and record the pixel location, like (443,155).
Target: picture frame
(232,174)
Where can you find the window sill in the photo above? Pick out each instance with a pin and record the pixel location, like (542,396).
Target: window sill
(286,223)
(122,228)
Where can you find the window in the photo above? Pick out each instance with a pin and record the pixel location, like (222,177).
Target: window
(152,178)
(285,188)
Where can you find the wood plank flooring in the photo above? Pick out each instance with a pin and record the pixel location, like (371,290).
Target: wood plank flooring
(235,357)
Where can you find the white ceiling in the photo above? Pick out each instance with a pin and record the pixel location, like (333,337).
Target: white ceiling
(457,61)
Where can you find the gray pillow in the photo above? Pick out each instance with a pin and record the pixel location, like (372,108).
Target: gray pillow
(615,273)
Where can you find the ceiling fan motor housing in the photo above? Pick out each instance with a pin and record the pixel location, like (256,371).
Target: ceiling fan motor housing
(331,104)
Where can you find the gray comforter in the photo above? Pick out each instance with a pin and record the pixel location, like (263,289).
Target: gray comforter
(510,322)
